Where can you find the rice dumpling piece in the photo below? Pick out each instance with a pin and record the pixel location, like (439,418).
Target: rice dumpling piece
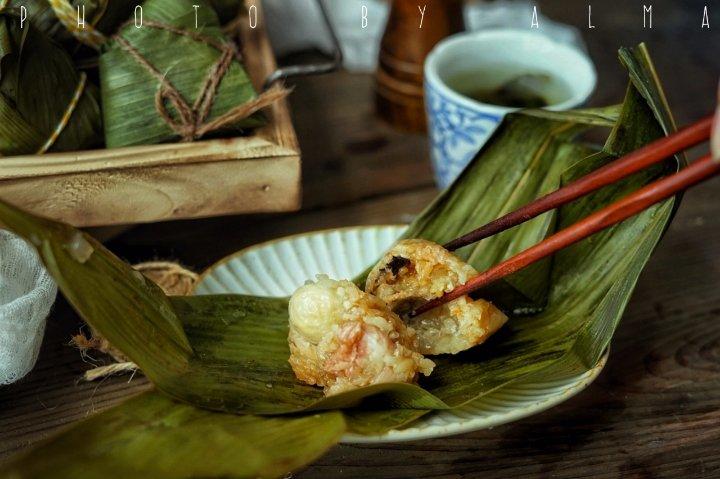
(46,104)
(342,338)
(168,79)
(415,271)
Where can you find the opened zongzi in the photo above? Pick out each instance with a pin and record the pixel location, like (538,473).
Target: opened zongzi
(342,338)
(415,271)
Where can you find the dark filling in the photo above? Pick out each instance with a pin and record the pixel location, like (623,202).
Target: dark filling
(396,264)
(395,268)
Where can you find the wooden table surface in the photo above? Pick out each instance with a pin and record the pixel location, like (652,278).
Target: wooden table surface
(655,409)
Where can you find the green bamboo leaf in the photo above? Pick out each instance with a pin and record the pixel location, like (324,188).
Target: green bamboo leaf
(241,361)
(374,422)
(129,90)
(153,436)
(17,136)
(105,15)
(132,311)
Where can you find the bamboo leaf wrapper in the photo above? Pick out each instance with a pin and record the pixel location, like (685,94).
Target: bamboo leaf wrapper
(45,103)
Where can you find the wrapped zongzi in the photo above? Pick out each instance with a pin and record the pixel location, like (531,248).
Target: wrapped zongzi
(163,79)
(46,104)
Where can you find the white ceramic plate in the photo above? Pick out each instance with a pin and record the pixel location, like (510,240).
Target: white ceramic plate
(278,267)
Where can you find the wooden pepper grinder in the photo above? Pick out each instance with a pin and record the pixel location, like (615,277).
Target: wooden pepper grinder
(404,46)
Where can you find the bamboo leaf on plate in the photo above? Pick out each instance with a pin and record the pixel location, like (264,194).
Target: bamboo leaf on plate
(235,357)
(153,436)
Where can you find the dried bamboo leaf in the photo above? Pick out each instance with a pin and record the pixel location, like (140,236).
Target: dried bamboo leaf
(153,436)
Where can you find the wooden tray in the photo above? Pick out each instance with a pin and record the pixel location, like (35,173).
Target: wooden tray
(139,184)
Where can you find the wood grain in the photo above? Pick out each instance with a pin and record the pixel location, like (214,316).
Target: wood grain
(260,62)
(255,173)
(140,195)
(352,155)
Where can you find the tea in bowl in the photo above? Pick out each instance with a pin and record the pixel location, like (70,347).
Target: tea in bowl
(473,79)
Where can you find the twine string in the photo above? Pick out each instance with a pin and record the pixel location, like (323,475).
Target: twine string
(65,119)
(173,279)
(191,121)
(199,37)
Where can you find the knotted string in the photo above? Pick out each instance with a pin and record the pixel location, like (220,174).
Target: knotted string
(191,123)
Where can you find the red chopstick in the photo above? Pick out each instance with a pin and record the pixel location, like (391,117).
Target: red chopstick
(616,212)
(608,216)
(623,167)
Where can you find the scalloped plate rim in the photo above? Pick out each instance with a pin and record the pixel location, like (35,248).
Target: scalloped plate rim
(419,429)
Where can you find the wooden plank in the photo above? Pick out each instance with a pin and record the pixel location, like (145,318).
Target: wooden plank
(139,195)
(168,154)
(260,62)
(348,153)
(654,410)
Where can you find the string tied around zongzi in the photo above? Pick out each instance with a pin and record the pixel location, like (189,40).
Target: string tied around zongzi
(190,120)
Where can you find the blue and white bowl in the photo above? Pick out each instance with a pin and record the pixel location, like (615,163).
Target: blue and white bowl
(458,125)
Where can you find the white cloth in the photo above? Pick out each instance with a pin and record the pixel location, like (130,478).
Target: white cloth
(298,25)
(26,294)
